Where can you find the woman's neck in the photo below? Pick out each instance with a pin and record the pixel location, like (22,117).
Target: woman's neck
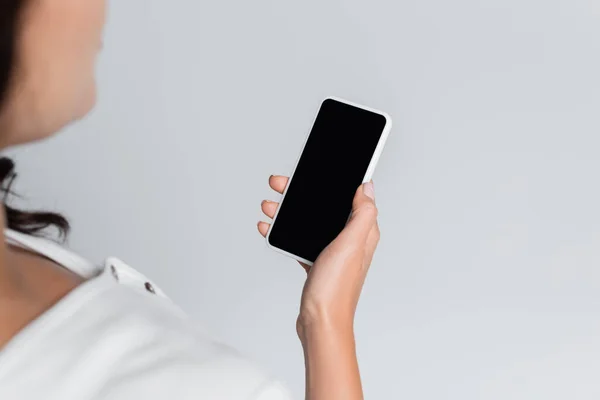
(11,300)
(6,275)
(29,285)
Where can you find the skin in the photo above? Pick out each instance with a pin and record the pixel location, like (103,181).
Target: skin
(330,296)
(54,82)
(54,85)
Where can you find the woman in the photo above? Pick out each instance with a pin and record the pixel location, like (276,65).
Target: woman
(73,330)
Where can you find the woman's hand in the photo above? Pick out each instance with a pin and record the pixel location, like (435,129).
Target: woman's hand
(336,279)
(330,297)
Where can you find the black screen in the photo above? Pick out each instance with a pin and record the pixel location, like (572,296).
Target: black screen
(332,166)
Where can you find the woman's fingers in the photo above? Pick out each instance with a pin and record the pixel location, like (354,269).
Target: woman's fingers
(263,228)
(278,183)
(364,214)
(269,208)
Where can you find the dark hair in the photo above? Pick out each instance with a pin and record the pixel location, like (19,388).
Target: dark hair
(29,222)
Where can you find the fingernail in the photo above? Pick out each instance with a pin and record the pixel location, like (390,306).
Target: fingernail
(369,190)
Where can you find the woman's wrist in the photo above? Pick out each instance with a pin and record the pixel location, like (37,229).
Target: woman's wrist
(330,357)
(317,325)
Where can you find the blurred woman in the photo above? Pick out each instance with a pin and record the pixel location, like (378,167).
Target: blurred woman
(70,329)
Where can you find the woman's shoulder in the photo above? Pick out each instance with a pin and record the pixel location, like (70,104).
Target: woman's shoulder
(107,340)
(119,336)
(163,352)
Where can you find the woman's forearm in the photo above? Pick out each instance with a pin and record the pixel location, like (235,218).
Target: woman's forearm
(331,365)
(329,300)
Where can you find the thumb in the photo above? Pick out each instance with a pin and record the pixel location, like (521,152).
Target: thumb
(364,211)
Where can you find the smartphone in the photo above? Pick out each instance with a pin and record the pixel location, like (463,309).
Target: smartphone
(340,153)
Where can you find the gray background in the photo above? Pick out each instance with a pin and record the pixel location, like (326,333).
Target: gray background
(486,284)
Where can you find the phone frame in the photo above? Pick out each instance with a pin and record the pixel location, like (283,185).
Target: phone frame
(368,175)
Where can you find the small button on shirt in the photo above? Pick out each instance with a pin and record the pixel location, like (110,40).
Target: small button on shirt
(117,336)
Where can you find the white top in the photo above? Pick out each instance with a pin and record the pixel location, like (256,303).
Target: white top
(117,336)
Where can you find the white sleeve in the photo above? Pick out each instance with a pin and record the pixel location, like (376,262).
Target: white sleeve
(274,391)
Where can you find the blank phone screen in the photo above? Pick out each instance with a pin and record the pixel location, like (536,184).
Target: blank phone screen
(331,168)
